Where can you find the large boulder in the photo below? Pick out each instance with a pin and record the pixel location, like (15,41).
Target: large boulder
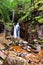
(15,60)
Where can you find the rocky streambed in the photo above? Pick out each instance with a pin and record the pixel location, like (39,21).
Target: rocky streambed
(19,52)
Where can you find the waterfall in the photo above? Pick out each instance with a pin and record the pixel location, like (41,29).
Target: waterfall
(13,16)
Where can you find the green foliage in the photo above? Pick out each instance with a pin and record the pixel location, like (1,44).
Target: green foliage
(28,6)
(4,9)
(40,20)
